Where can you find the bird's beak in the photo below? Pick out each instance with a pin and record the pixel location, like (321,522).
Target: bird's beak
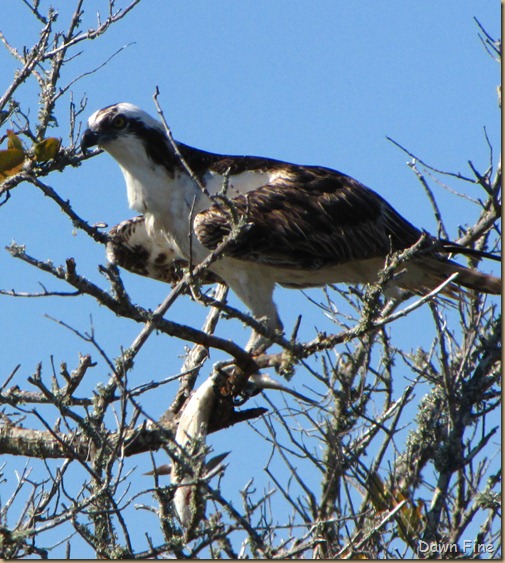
(89,139)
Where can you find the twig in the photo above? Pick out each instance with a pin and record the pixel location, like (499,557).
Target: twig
(175,148)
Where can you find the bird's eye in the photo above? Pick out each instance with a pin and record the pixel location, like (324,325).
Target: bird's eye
(119,122)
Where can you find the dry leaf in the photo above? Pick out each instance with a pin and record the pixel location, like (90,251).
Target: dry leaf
(14,142)
(11,162)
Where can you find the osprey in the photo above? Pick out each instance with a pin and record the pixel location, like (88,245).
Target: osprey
(306,226)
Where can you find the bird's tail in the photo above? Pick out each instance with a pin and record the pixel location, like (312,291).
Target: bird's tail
(438,271)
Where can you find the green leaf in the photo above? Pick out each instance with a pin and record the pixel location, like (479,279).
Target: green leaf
(46,149)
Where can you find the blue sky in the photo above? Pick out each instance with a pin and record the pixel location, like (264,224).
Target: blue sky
(321,82)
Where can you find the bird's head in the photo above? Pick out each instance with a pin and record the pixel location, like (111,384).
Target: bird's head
(128,134)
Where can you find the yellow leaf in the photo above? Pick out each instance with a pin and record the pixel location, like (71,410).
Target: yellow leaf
(4,174)
(14,141)
(11,162)
(379,495)
(46,149)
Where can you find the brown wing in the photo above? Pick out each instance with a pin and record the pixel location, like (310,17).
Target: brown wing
(309,218)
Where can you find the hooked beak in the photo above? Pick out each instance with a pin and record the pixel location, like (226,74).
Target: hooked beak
(89,139)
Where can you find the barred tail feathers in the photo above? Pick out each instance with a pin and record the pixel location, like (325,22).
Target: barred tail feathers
(436,271)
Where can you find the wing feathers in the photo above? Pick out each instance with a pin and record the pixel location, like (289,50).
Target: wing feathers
(308,219)
(311,218)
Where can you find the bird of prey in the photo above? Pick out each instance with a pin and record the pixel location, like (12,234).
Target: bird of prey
(305,226)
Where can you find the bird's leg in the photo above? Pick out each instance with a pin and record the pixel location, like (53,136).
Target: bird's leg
(256,292)
(259,343)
